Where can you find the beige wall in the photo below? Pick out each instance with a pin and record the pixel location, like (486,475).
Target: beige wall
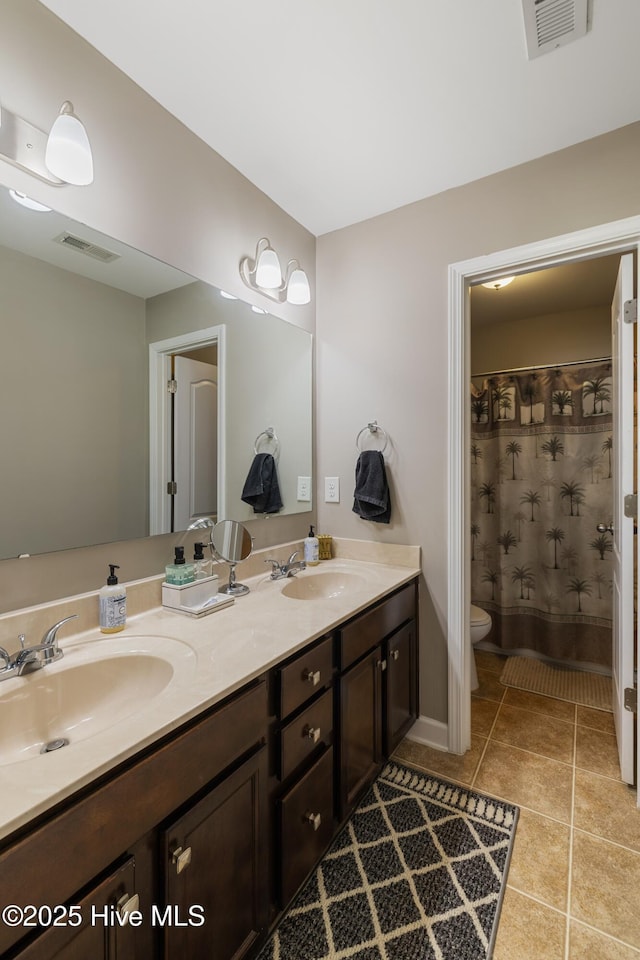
(382,340)
(553,338)
(158,188)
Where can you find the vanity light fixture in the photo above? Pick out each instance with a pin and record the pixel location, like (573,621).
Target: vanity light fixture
(264,274)
(498,284)
(62,156)
(227,296)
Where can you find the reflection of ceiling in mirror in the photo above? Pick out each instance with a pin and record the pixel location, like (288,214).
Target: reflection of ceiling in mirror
(35,234)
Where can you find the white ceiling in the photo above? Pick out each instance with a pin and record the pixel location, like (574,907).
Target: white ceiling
(371,104)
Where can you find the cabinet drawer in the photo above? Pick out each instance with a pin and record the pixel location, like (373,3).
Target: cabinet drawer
(366,631)
(311,729)
(306,824)
(304,676)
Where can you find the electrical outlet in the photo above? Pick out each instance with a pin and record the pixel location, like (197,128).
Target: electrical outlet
(304,488)
(332,489)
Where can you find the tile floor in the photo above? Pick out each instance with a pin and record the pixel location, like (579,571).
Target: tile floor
(573,889)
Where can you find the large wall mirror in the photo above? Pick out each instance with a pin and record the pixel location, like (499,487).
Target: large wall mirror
(82,317)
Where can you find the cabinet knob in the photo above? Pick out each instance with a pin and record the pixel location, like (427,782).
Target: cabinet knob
(395,654)
(381,664)
(181,858)
(312,676)
(311,733)
(126,905)
(315,819)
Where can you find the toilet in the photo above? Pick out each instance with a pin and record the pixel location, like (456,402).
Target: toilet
(480,624)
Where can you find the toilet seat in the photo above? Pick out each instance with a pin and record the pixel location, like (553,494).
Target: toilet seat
(479,617)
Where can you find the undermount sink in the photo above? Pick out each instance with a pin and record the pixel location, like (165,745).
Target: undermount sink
(72,701)
(322,586)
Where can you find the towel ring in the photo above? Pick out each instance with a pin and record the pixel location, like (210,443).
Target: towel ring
(269,434)
(374,428)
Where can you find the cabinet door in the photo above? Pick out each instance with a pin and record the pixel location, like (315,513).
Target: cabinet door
(99,936)
(360,727)
(401,686)
(216,869)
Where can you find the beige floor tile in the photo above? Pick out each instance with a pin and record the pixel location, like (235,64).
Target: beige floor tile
(528,930)
(604,887)
(491,662)
(526,779)
(461,769)
(585,943)
(598,719)
(607,808)
(483,713)
(540,859)
(535,732)
(549,706)
(490,687)
(597,752)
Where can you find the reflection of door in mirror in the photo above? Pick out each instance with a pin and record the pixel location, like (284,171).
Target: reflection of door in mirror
(195,440)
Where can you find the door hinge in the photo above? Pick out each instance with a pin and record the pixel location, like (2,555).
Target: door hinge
(631,505)
(172,386)
(631,699)
(631,311)
(172,487)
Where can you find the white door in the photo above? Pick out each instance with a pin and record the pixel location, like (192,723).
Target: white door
(195,441)
(623,483)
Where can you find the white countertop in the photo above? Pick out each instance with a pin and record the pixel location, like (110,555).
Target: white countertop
(211,657)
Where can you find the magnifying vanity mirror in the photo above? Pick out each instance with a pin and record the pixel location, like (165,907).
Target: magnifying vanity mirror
(232,542)
(81,316)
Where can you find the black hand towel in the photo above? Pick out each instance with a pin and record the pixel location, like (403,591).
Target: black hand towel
(261,489)
(371,499)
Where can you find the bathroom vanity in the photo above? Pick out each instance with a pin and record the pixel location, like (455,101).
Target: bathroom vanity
(192,842)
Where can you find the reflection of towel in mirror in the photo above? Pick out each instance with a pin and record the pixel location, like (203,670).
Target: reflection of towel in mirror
(261,490)
(371,499)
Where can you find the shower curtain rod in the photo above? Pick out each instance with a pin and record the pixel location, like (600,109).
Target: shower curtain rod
(540,366)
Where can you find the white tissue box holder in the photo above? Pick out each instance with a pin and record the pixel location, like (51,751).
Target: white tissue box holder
(189,595)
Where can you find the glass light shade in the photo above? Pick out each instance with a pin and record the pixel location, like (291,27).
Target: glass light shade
(68,154)
(498,284)
(227,296)
(268,272)
(27,202)
(298,287)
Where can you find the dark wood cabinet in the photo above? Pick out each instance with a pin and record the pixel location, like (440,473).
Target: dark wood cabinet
(360,727)
(214,865)
(401,685)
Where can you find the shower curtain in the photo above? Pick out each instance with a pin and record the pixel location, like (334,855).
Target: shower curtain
(541,449)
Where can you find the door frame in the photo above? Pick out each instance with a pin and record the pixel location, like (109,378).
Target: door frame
(619,236)
(160,420)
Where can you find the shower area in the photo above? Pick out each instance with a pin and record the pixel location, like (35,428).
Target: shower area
(540,466)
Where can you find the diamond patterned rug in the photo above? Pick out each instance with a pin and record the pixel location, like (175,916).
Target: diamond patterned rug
(417,873)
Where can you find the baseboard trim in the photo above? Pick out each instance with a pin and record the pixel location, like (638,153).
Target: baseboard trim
(431,733)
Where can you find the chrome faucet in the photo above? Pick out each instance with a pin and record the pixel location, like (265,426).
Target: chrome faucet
(289,569)
(28,659)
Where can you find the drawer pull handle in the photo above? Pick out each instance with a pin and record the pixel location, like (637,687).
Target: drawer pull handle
(181,858)
(381,664)
(395,654)
(315,819)
(127,905)
(311,733)
(312,676)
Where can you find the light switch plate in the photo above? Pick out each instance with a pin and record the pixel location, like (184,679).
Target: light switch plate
(304,488)
(332,489)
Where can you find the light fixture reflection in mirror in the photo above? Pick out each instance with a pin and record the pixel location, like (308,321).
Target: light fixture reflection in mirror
(231,541)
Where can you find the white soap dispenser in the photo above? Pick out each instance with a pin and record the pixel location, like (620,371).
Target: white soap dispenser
(311,549)
(113,604)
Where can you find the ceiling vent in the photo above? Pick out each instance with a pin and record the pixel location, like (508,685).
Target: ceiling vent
(86,247)
(550,24)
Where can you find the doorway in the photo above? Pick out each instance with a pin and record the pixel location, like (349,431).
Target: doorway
(606,239)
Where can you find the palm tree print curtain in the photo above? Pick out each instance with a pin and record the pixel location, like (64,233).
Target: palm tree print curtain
(540,483)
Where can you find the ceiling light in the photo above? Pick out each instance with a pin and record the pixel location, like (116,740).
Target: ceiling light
(227,296)
(27,202)
(257,309)
(264,275)
(68,154)
(63,156)
(498,284)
